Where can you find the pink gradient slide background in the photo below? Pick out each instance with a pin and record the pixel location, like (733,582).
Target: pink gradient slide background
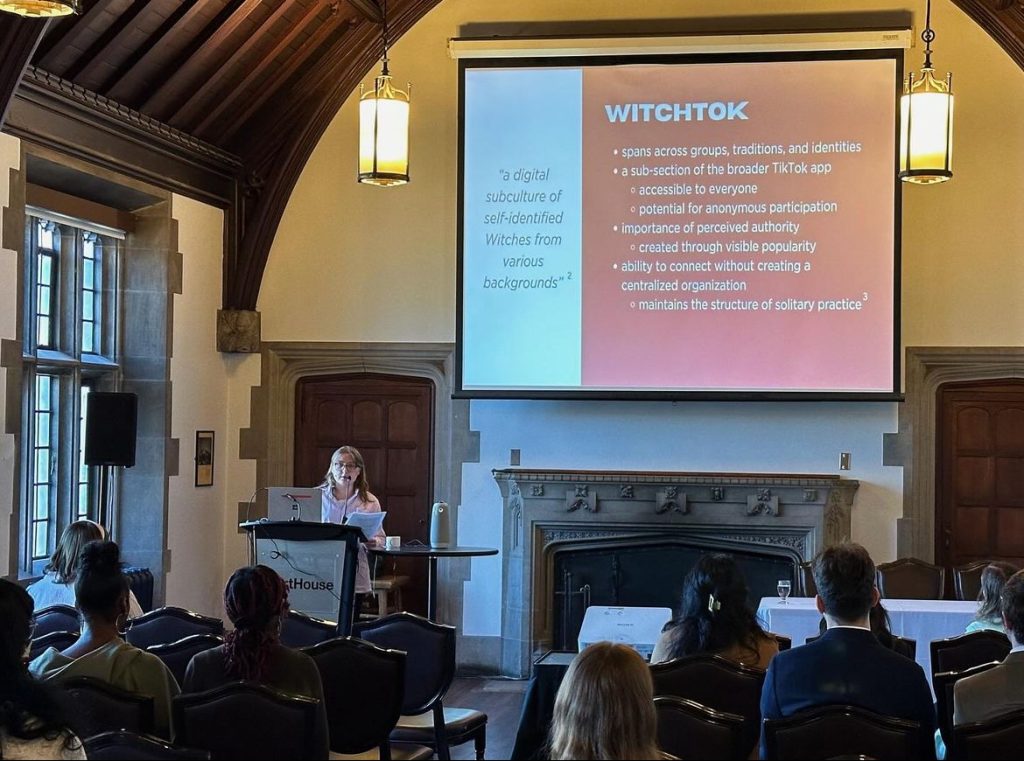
(788,103)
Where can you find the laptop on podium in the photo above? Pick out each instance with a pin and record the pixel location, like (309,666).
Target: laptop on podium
(294,503)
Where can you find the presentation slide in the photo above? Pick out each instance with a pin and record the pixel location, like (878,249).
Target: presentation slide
(723,227)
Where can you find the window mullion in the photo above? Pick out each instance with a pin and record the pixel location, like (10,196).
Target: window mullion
(70,288)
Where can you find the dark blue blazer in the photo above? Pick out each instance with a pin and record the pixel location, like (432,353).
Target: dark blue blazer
(850,667)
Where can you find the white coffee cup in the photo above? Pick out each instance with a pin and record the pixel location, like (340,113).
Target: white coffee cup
(392,542)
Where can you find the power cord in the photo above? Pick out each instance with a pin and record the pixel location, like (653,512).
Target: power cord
(277,553)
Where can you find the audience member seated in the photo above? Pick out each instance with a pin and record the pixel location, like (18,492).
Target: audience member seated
(605,707)
(256,601)
(57,587)
(102,592)
(1001,689)
(990,615)
(847,664)
(31,725)
(714,618)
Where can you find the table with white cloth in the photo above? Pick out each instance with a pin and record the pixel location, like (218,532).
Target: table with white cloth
(919,620)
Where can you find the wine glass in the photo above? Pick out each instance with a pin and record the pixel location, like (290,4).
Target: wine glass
(784,587)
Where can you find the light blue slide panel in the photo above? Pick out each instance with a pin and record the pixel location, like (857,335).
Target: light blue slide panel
(522,228)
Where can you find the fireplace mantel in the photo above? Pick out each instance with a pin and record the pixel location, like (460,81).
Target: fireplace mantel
(792,514)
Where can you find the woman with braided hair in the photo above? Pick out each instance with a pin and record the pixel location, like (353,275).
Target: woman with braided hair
(256,601)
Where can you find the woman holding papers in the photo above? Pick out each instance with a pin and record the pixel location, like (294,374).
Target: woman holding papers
(345,491)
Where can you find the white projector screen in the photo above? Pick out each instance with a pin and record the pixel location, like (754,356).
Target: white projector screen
(680,227)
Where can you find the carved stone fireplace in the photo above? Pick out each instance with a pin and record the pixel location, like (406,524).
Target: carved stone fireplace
(769,518)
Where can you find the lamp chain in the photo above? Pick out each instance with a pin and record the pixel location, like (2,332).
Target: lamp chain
(385,71)
(928,35)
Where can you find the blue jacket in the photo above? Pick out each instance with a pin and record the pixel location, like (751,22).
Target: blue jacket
(849,667)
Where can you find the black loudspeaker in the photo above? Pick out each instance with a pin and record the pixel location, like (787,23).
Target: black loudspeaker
(110,426)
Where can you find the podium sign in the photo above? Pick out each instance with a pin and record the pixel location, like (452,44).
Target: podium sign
(313,572)
(317,562)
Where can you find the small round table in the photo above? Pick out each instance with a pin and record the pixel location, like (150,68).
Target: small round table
(432,554)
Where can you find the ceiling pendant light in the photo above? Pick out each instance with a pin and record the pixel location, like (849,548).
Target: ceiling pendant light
(42,8)
(926,121)
(383,128)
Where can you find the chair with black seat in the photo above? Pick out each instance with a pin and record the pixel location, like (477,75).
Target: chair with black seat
(910,579)
(842,731)
(170,624)
(93,706)
(115,746)
(716,683)
(943,683)
(242,720)
(967,580)
(966,650)
(56,640)
(689,730)
(998,738)
(301,630)
(56,618)
(785,643)
(429,671)
(361,719)
(176,655)
(805,572)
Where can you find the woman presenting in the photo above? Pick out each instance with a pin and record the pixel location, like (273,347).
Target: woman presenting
(345,491)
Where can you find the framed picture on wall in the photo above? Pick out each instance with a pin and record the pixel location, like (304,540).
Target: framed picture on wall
(204,458)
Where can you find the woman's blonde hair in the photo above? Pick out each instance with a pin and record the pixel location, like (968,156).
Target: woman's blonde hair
(605,707)
(64,561)
(361,485)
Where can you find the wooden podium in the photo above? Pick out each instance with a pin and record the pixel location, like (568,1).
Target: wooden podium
(317,562)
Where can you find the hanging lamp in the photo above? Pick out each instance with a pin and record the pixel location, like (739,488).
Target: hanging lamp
(383,127)
(926,120)
(42,8)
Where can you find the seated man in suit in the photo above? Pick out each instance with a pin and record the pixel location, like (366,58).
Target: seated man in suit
(847,665)
(1001,689)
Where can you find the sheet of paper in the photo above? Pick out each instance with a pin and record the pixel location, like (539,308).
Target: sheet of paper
(370,523)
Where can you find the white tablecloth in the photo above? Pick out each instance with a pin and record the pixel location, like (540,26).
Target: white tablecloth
(919,620)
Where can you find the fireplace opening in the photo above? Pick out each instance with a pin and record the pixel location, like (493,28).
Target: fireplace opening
(647,573)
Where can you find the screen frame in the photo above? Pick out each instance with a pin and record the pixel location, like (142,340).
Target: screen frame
(895,53)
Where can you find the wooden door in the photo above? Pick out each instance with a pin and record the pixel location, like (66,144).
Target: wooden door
(980,473)
(390,421)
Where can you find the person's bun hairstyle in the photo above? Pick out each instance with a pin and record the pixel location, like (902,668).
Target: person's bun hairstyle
(100,584)
(101,558)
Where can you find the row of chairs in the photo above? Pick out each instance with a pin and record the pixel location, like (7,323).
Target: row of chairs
(170,624)
(403,661)
(725,696)
(912,579)
(852,732)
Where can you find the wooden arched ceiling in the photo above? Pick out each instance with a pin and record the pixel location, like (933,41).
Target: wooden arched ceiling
(243,88)
(247,86)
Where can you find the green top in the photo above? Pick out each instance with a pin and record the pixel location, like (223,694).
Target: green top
(980,625)
(121,665)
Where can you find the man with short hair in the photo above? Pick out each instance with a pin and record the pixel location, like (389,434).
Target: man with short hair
(847,665)
(999,690)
